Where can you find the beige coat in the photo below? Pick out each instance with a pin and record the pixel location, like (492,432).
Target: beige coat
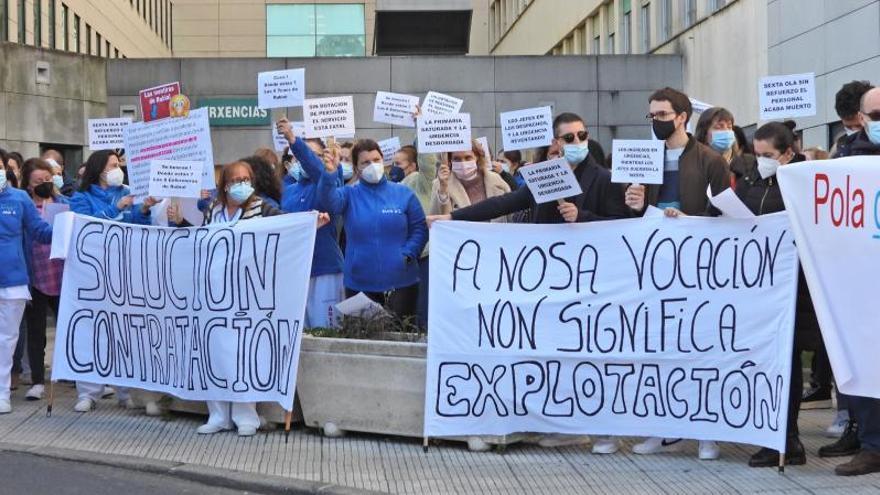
(457,195)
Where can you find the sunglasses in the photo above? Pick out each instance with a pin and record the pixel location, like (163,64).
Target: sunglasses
(569,138)
(874,116)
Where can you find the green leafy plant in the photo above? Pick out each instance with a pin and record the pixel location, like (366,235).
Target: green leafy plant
(378,327)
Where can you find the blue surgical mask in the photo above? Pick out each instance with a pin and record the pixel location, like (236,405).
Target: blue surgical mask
(58,181)
(347,170)
(722,140)
(296,171)
(873,132)
(241,191)
(2,179)
(576,153)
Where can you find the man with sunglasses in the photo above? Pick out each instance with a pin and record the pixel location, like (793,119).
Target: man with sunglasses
(689,165)
(864,410)
(600,198)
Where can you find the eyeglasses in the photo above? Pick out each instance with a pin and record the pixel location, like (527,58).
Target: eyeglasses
(243,180)
(874,116)
(658,115)
(569,138)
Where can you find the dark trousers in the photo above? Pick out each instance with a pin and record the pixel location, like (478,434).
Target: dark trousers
(402,301)
(866,411)
(796,391)
(35,315)
(821,369)
(423,292)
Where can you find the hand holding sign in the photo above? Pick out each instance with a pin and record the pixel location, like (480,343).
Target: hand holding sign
(569,211)
(330,158)
(124,202)
(285,129)
(443,178)
(635,197)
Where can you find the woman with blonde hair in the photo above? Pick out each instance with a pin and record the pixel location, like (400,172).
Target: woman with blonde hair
(465,179)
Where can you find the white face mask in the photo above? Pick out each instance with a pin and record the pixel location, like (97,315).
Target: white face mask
(373,172)
(767,166)
(114,177)
(465,170)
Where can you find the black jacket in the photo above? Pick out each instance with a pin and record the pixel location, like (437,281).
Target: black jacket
(763,196)
(861,146)
(600,200)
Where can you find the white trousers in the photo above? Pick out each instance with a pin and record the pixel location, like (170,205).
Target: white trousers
(94,391)
(11,311)
(325,292)
(225,414)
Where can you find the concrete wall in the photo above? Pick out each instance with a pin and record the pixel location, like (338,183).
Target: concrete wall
(56,113)
(839,40)
(609,92)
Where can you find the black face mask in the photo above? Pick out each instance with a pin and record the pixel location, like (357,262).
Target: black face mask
(663,129)
(44,190)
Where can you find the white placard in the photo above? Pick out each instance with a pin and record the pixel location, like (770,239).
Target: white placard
(207,315)
(389,147)
(62,231)
(637,161)
(106,134)
(529,128)
(444,133)
(177,138)
(551,180)
(175,179)
(439,104)
(281,88)
(324,117)
(280,142)
(834,211)
(484,145)
(395,108)
(613,328)
(784,97)
(729,204)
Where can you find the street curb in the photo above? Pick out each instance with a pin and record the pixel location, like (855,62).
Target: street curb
(236,480)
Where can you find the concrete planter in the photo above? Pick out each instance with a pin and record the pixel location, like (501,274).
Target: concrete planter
(362,385)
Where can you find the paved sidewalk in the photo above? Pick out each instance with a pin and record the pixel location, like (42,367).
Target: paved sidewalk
(399,466)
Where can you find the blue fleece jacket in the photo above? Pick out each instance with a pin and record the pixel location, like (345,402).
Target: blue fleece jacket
(18,216)
(385,232)
(302,196)
(101,203)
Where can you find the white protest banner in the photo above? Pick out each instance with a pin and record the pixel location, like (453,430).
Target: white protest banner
(106,134)
(178,138)
(637,161)
(175,179)
(439,104)
(484,145)
(551,180)
(211,313)
(646,327)
(444,133)
(698,108)
(529,128)
(324,117)
(281,88)
(787,96)
(280,141)
(389,147)
(834,207)
(395,108)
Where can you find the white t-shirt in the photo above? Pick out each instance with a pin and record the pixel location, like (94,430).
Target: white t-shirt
(17,292)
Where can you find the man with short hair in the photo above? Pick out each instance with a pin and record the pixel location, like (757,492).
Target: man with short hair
(689,168)
(847,102)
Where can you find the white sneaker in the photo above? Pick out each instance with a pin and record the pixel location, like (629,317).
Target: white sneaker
(127,403)
(657,445)
(5,406)
(152,408)
(606,445)
(838,426)
(210,429)
(247,431)
(84,405)
(553,440)
(709,450)
(36,392)
(107,392)
(477,444)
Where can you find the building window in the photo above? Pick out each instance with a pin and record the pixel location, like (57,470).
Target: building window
(690,12)
(116,53)
(716,4)
(665,19)
(88,39)
(610,24)
(645,27)
(65,29)
(315,30)
(98,43)
(21,22)
(107,49)
(38,23)
(596,44)
(4,20)
(76,42)
(52,24)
